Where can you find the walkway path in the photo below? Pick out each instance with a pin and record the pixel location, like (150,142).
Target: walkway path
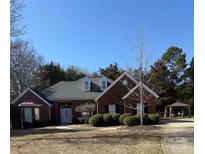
(177,136)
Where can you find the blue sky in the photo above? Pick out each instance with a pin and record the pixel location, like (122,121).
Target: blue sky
(92,34)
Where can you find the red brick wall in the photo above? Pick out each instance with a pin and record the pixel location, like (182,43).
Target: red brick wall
(55,110)
(113,95)
(148,99)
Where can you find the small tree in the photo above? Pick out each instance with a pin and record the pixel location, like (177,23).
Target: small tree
(142,74)
(88,107)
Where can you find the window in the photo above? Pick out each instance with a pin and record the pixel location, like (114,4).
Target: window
(103,84)
(37,114)
(112,108)
(87,85)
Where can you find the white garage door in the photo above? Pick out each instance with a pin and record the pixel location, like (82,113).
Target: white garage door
(66,115)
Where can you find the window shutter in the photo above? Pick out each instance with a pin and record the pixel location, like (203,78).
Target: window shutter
(106,108)
(117,108)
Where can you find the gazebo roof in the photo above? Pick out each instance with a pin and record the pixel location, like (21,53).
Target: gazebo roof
(178,104)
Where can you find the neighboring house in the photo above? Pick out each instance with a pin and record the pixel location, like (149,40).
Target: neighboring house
(57,103)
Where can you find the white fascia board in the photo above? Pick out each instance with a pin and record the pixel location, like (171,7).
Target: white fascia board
(19,96)
(152,92)
(28,89)
(131,91)
(125,73)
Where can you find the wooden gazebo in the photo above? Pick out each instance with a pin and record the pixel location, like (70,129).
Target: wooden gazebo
(177,104)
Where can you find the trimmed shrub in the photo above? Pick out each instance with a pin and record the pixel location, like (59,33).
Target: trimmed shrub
(145,118)
(131,121)
(115,118)
(108,119)
(86,120)
(122,116)
(75,121)
(81,120)
(153,118)
(97,120)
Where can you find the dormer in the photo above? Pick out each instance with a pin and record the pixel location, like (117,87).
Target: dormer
(103,83)
(86,84)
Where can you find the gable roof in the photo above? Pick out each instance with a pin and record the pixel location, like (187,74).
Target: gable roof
(118,79)
(178,104)
(74,90)
(144,86)
(32,91)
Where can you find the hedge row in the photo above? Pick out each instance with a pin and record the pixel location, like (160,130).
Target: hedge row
(127,119)
(104,120)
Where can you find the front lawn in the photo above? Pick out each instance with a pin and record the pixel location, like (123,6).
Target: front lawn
(176,136)
(99,141)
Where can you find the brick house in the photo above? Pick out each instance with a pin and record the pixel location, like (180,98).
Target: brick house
(58,102)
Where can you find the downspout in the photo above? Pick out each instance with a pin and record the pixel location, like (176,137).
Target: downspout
(97,107)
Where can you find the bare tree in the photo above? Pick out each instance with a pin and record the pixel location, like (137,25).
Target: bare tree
(16,16)
(142,74)
(24,64)
(88,107)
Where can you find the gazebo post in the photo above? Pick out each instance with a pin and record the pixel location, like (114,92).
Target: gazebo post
(189,111)
(170,112)
(182,112)
(165,112)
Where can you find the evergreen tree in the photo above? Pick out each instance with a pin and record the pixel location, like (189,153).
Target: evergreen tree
(187,90)
(74,73)
(112,71)
(175,61)
(50,74)
(160,83)
(168,76)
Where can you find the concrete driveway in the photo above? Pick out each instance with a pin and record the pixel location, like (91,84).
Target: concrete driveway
(177,136)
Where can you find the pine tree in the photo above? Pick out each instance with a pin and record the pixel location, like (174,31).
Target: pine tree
(50,74)
(112,71)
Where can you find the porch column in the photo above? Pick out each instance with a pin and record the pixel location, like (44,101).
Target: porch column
(170,112)
(22,117)
(182,112)
(165,112)
(189,111)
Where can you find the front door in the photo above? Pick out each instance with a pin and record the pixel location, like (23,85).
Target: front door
(66,115)
(28,114)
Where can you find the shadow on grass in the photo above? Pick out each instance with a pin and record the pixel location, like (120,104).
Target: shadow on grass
(33,131)
(174,121)
(113,139)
